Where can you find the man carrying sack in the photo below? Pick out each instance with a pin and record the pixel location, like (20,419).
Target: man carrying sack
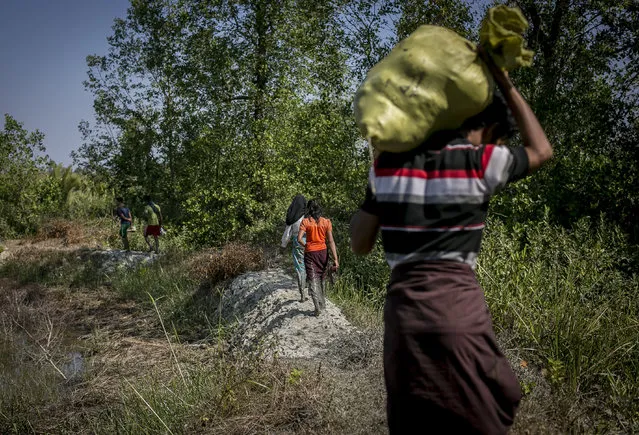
(443,370)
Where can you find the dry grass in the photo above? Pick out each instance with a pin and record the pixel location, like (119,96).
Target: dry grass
(69,232)
(214,266)
(50,264)
(132,381)
(129,371)
(32,353)
(20,305)
(64,233)
(305,397)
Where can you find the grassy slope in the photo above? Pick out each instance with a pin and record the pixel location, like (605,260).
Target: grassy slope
(566,312)
(565,309)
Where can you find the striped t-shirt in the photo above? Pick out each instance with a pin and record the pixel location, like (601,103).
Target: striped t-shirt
(432,204)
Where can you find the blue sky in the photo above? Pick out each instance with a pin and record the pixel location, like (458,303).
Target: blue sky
(43,46)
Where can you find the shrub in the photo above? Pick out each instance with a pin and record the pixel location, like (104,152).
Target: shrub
(563,295)
(367,275)
(70,232)
(214,266)
(87,203)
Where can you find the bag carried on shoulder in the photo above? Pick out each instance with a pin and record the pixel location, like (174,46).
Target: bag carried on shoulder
(434,80)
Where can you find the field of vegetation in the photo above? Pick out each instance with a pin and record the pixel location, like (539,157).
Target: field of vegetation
(223,111)
(143,349)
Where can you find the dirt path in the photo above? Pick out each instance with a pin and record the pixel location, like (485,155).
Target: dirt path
(267,311)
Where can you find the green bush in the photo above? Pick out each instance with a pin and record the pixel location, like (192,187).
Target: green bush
(87,203)
(166,278)
(366,275)
(563,294)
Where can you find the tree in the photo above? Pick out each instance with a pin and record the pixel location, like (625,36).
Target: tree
(23,195)
(583,88)
(229,83)
(453,14)
(223,109)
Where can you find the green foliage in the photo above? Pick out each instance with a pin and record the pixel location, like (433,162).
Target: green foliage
(565,297)
(368,27)
(453,14)
(224,110)
(78,196)
(527,387)
(362,278)
(33,188)
(295,376)
(165,279)
(24,192)
(583,88)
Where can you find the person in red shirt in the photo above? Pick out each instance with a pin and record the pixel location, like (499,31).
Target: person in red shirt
(317,229)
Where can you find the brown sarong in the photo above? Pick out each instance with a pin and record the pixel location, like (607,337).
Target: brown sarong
(444,372)
(316,264)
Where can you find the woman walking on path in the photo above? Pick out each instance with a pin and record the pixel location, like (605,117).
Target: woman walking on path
(317,230)
(294,217)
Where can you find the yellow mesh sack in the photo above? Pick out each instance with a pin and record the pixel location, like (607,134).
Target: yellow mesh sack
(434,80)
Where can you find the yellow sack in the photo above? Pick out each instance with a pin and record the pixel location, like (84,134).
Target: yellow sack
(434,80)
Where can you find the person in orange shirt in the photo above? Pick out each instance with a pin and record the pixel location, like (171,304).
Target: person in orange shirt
(317,230)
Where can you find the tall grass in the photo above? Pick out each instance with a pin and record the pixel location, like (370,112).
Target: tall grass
(172,387)
(188,286)
(33,359)
(49,267)
(213,391)
(26,386)
(566,299)
(362,279)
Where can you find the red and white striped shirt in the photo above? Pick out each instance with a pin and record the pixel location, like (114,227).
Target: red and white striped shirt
(432,204)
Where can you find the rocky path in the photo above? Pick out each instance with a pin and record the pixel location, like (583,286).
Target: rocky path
(268,314)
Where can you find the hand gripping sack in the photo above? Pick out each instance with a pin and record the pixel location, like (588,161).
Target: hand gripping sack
(434,80)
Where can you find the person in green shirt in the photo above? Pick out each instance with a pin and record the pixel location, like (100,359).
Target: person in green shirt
(153,217)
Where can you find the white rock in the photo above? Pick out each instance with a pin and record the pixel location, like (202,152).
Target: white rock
(269,316)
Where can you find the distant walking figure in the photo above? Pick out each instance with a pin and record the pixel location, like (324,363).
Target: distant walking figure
(153,216)
(317,230)
(294,217)
(124,214)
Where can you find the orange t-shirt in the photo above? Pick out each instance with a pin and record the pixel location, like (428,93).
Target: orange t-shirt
(316,233)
